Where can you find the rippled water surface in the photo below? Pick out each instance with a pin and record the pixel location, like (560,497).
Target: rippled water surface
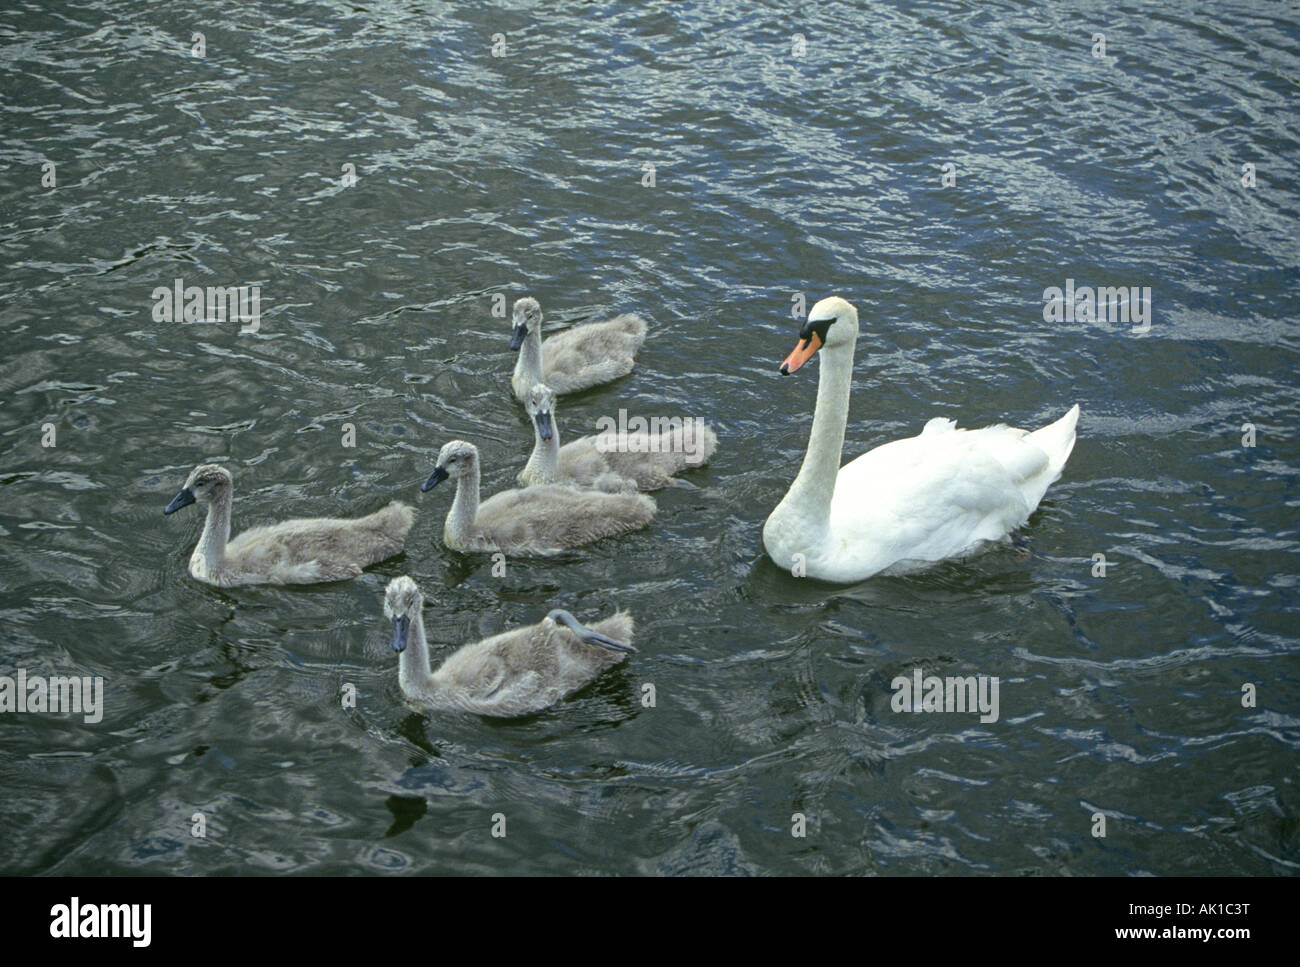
(777,171)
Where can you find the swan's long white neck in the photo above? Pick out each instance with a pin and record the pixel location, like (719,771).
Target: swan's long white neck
(211,549)
(464,506)
(413,671)
(529,363)
(544,463)
(804,512)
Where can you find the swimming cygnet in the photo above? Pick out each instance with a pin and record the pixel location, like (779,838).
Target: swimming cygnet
(306,550)
(514,673)
(534,521)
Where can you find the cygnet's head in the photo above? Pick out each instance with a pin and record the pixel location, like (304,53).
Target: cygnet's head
(455,460)
(206,483)
(540,405)
(402,603)
(527,318)
(831,323)
(561,617)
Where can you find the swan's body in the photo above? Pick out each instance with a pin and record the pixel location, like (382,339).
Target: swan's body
(307,550)
(937,495)
(610,461)
(576,359)
(535,521)
(514,673)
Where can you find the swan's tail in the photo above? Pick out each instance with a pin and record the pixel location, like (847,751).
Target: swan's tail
(1057,440)
(698,441)
(631,325)
(394,521)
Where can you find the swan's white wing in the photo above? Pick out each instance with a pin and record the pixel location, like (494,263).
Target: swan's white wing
(931,496)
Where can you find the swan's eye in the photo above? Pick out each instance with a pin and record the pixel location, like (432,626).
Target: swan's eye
(818,326)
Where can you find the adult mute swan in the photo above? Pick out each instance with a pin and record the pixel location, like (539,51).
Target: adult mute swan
(576,359)
(306,550)
(514,673)
(937,495)
(533,522)
(612,461)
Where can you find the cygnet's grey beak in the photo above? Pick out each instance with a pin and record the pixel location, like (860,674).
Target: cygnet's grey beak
(596,638)
(401,625)
(517,339)
(182,499)
(544,425)
(438,476)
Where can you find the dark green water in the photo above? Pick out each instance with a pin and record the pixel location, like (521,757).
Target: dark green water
(775,175)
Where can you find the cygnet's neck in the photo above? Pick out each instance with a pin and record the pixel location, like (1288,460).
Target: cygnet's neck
(529,364)
(544,464)
(413,671)
(211,549)
(464,507)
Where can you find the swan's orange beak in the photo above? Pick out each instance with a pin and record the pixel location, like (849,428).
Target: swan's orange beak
(802,353)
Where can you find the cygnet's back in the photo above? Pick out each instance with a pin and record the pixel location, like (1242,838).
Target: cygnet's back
(552,518)
(358,542)
(651,460)
(526,670)
(593,354)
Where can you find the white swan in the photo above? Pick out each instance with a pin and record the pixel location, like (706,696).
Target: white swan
(937,495)
(576,359)
(610,461)
(306,550)
(535,521)
(514,673)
